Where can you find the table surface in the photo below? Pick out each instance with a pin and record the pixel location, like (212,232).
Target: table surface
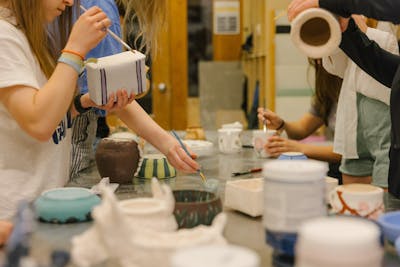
(241,229)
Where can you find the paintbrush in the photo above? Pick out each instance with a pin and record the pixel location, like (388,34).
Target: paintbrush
(246,172)
(203,177)
(116,37)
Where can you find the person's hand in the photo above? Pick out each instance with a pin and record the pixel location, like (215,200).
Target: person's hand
(115,101)
(277,145)
(178,158)
(273,120)
(343,22)
(5,231)
(90,28)
(298,6)
(361,22)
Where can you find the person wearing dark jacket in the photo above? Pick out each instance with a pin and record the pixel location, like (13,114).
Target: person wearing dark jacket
(378,63)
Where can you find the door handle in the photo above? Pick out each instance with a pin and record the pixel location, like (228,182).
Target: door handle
(162,87)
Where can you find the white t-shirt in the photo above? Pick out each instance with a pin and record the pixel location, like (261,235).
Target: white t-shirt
(27,166)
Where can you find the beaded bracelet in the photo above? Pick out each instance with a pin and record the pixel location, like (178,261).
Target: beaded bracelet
(72,60)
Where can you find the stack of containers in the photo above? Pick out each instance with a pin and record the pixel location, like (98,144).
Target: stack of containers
(294,191)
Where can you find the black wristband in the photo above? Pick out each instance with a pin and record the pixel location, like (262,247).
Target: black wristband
(281,126)
(78,105)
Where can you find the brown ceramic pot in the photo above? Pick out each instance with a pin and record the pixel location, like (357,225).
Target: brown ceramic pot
(118,159)
(195,207)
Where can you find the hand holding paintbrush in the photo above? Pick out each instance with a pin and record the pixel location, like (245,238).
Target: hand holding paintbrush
(203,177)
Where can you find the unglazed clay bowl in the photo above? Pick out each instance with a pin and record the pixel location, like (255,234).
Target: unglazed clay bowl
(155,165)
(195,207)
(117,158)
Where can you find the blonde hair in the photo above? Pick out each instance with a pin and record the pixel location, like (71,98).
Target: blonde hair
(150,16)
(45,45)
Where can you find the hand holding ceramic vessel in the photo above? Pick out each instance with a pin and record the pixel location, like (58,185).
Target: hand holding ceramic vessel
(115,102)
(272,119)
(277,145)
(5,231)
(297,6)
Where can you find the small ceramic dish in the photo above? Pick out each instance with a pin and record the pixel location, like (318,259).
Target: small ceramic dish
(245,195)
(390,224)
(195,207)
(200,148)
(66,205)
(154,165)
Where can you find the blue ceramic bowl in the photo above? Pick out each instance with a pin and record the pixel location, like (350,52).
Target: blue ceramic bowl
(390,224)
(66,205)
(292,156)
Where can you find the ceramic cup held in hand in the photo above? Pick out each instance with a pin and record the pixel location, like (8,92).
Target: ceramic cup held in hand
(362,200)
(229,140)
(260,139)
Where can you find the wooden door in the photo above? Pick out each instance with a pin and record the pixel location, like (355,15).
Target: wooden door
(170,69)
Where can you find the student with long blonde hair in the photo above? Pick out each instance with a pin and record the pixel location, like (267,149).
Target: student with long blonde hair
(38,75)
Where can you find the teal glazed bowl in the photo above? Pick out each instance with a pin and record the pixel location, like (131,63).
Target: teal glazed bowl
(66,205)
(195,207)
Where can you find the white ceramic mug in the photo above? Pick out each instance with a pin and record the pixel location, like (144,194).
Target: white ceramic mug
(260,139)
(229,140)
(331,184)
(358,199)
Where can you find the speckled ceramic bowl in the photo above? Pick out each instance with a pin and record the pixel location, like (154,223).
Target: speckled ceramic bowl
(195,207)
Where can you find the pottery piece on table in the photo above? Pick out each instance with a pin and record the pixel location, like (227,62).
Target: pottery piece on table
(154,165)
(114,236)
(195,207)
(117,158)
(245,195)
(66,205)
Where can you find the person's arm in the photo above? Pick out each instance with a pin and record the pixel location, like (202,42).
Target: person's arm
(374,60)
(141,123)
(277,145)
(298,130)
(386,10)
(38,112)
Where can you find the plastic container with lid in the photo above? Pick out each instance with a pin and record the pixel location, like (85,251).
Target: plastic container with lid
(339,241)
(294,191)
(215,256)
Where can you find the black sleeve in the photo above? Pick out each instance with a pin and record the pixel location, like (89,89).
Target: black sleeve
(385,10)
(367,54)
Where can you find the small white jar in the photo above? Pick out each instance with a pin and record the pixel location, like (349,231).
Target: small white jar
(294,191)
(339,241)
